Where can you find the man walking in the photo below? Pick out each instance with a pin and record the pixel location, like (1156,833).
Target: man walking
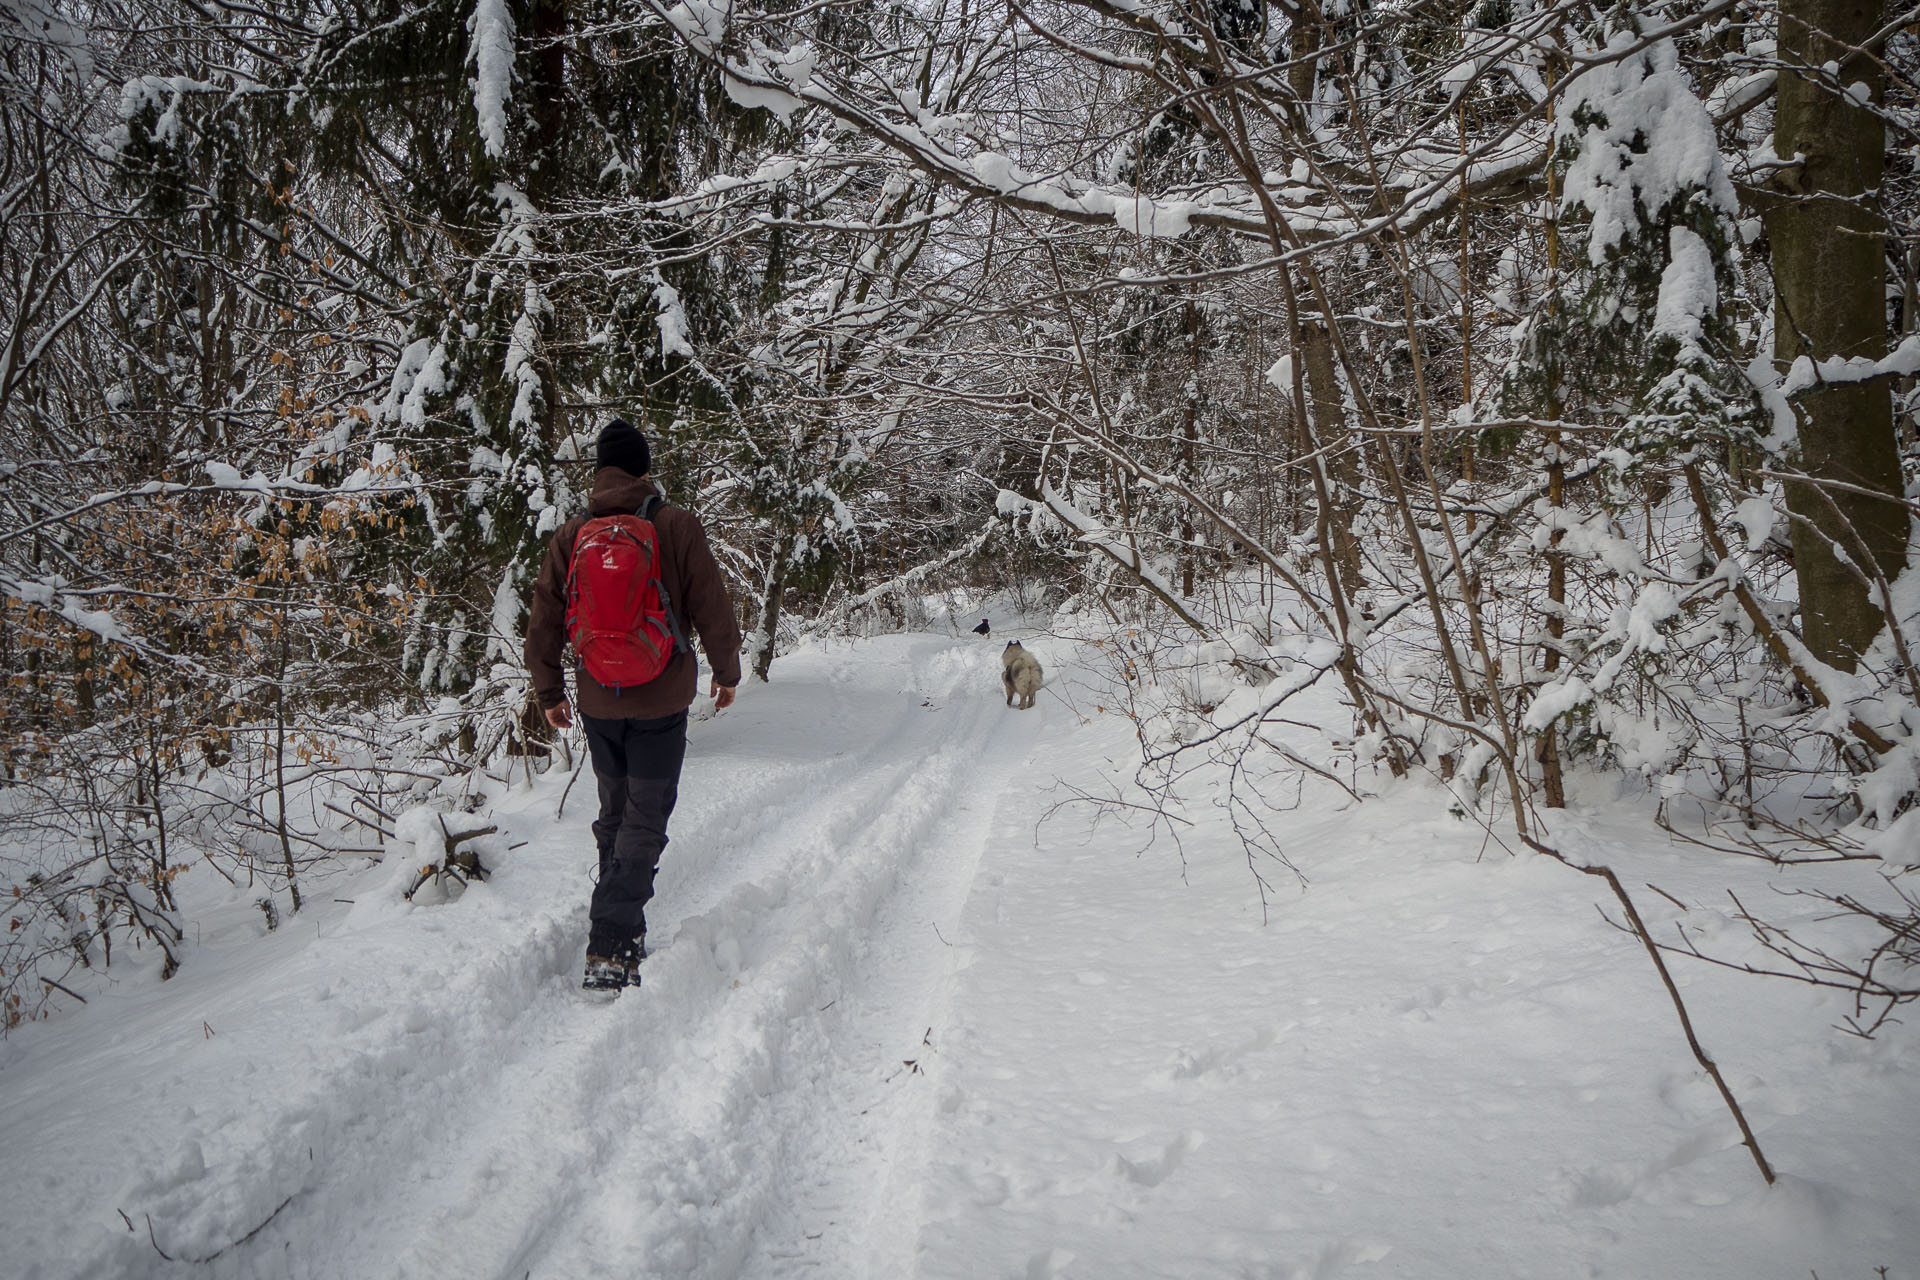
(637,733)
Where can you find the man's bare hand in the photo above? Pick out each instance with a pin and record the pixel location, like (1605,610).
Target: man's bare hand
(722,696)
(560,717)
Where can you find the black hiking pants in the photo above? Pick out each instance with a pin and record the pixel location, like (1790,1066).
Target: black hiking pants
(637,764)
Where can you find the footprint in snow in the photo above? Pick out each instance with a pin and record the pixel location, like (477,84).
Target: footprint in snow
(1154,1170)
(1049,1265)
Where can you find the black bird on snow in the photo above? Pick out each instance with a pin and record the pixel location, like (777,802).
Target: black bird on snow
(981,630)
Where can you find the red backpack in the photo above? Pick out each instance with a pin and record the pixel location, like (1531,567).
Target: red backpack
(619,618)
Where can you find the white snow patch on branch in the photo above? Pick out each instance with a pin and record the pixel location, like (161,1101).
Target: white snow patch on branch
(1142,215)
(1756,516)
(421,372)
(226,476)
(492,56)
(1554,701)
(1643,139)
(1689,294)
(672,320)
(522,371)
(751,95)
(1808,373)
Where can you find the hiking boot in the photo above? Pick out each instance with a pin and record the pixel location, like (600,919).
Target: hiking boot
(621,969)
(631,955)
(605,973)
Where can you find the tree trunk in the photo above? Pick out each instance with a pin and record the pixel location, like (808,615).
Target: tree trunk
(1553,782)
(770,613)
(1189,460)
(1829,267)
(1330,429)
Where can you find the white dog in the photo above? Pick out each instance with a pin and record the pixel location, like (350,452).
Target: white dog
(1020,672)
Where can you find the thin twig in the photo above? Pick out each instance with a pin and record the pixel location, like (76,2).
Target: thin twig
(562,806)
(64,990)
(1673,993)
(223,1249)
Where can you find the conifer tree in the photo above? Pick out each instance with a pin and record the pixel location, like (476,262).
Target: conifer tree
(548,283)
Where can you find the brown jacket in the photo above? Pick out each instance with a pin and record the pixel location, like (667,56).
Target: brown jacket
(693,583)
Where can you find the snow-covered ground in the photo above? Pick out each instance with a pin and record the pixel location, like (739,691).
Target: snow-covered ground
(911,1015)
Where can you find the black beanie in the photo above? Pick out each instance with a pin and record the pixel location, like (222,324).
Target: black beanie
(624,447)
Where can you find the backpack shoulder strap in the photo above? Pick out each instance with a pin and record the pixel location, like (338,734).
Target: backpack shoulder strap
(648,509)
(570,545)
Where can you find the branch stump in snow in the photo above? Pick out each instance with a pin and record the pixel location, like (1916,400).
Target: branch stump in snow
(463,866)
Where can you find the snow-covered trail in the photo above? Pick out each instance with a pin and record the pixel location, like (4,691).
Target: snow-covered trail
(911,1018)
(714,1115)
(463,1113)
